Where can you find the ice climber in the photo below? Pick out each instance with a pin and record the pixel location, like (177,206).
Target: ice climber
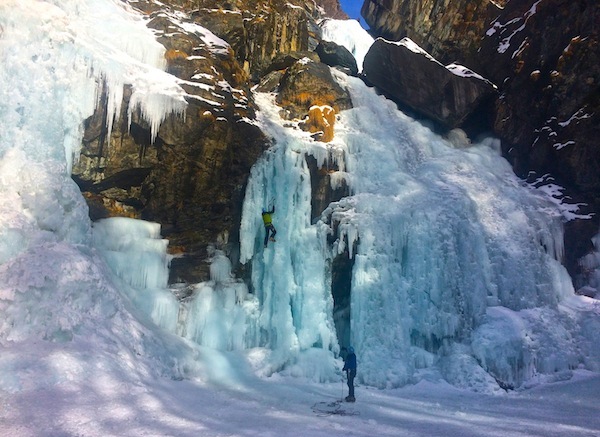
(350,369)
(269,228)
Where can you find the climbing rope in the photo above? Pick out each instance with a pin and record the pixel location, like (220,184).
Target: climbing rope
(324,409)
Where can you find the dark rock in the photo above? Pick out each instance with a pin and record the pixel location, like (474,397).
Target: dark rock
(322,193)
(270,82)
(546,56)
(335,55)
(450,30)
(283,61)
(409,75)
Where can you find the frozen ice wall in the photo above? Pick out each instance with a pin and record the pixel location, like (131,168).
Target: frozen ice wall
(288,277)
(444,233)
(61,51)
(454,257)
(136,253)
(55,56)
(53,284)
(220,314)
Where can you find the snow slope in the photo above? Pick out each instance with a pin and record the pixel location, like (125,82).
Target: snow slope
(110,405)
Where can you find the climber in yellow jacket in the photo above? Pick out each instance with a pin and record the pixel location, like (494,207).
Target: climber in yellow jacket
(269,228)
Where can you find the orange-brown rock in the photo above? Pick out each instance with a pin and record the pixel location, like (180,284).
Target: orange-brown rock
(260,30)
(320,121)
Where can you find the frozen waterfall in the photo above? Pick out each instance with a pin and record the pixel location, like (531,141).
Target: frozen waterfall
(448,247)
(136,253)
(451,260)
(455,260)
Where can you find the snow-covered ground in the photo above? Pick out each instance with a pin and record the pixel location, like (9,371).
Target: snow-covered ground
(109,406)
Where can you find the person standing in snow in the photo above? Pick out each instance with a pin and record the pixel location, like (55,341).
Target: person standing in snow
(269,228)
(350,369)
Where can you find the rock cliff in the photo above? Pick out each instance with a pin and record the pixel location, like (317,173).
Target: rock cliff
(191,178)
(546,55)
(543,56)
(450,30)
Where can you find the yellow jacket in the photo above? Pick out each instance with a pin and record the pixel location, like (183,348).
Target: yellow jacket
(266,216)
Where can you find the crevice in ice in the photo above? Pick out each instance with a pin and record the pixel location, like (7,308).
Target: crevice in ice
(341,288)
(588,282)
(327,185)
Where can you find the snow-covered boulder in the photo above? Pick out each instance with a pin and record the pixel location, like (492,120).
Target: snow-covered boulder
(408,74)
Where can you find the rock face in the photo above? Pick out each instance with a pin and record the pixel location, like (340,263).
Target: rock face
(191,179)
(543,56)
(260,30)
(409,75)
(547,55)
(306,84)
(449,30)
(333,9)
